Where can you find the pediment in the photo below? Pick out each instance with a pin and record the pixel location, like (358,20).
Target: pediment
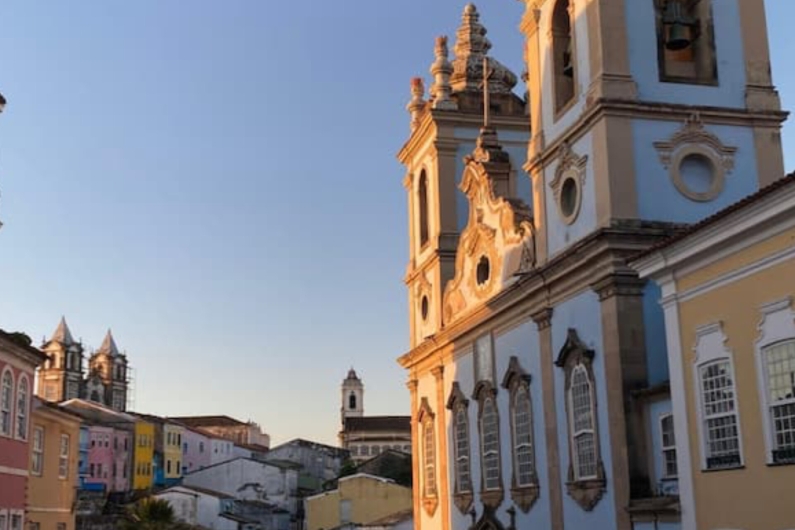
(496,245)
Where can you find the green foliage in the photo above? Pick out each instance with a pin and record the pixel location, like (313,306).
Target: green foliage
(152,514)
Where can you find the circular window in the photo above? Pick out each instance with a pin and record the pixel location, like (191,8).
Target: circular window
(569,199)
(483,270)
(697,173)
(424,307)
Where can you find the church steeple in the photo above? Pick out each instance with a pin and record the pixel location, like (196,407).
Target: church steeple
(108,346)
(352,397)
(62,334)
(444,129)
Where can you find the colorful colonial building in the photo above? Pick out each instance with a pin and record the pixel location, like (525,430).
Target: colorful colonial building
(144,455)
(728,293)
(54,456)
(18,360)
(538,367)
(196,450)
(110,445)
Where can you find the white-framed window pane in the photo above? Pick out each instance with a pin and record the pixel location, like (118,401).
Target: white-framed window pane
(523,437)
(582,413)
(22,409)
(781,399)
(720,418)
(429,454)
(585,455)
(3,521)
(668,446)
(6,401)
(490,435)
(38,452)
(63,457)
(461,433)
(16,522)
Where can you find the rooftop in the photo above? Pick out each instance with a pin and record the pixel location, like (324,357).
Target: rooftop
(208,421)
(378,423)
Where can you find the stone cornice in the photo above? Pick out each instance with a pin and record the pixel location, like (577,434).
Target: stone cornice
(595,260)
(435,120)
(603,108)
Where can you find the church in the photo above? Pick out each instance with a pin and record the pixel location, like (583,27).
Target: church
(538,367)
(368,436)
(62,375)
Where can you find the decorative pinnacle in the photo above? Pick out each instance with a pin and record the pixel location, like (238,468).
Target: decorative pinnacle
(470,48)
(441,70)
(417,104)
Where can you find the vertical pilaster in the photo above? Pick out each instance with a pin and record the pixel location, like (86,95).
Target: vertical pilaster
(415,455)
(441,437)
(543,320)
(623,336)
(608,47)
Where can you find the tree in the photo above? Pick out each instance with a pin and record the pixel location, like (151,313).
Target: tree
(152,514)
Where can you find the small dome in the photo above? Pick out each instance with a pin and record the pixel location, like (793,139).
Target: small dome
(352,374)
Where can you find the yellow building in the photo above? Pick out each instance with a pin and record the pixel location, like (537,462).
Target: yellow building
(358,500)
(54,452)
(172,451)
(728,293)
(143,458)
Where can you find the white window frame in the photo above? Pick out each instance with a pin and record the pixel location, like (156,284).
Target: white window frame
(664,448)
(430,488)
(574,433)
(490,401)
(63,456)
(523,392)
(461,459)
(4,521)
(9,406)
(37,452)
(21,515)
(777,325)
(24,416)
(710,348)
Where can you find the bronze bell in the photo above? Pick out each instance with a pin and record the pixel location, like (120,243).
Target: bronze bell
(568,66)
(678,37)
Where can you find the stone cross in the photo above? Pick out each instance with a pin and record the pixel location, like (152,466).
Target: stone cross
(487,73)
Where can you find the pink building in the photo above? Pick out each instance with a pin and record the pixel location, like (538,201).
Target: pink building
(196,450)
(18,360)
(110,444)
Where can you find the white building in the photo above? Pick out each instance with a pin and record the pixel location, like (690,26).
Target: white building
(200,506)
(252,480)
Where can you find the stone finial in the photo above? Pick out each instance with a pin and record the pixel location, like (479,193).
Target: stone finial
(470,48)
(441,70)
(417,104)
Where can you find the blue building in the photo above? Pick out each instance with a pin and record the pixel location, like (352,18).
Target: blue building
(537,365)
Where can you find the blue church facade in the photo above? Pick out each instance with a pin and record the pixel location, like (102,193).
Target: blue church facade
(537,366)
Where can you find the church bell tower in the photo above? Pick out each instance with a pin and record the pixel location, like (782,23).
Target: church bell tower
(352,397)
(653,110)
(444,131)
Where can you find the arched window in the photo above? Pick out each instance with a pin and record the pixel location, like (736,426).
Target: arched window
(524,483)
(23,398)
(458,404)
(6,401)
(564,65)
(429,458)
(685,42)
(582,424)
(490,445)
(422,198)
(587,482)
(352,401)
(425,419)
(522,424)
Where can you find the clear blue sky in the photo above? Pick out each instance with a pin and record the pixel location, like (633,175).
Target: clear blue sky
(216,181)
